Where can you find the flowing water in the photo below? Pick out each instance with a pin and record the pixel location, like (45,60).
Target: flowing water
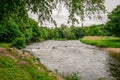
(73,56)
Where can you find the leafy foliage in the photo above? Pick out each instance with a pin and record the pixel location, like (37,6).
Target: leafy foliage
(33,31)
(67,32)
(19,8)
(73,76)
(78,32)
(95,30)
(14,8)
(113,25)
(9,31)
(83,8)
(19,43)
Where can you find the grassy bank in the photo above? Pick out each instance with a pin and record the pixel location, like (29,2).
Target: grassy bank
(106,42)
(4,45)
(18,65)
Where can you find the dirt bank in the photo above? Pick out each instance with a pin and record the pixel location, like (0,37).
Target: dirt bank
(22,60)
(112,50)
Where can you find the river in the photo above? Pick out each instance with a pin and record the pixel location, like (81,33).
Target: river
(73,56)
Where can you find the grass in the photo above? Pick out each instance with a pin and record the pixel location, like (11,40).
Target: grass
(21,68)
(73,76)
(4,45)
(9,70)
(107,42)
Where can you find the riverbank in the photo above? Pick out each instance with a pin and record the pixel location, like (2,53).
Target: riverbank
(111,44)
(21,65)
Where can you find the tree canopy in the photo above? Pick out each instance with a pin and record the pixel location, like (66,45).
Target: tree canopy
(44,8)
(113,24)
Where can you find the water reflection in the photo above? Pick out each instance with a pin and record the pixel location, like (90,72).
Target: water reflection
(114,65)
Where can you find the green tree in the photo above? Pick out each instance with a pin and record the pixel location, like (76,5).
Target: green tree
(44,32)
(68,34)
(78,32)
(54,34)
(113,24)
(9,31)
(14,8)
(34,30)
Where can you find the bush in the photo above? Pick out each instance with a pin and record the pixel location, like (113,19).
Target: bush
(28,34)
(73,76)
(95,30)
(19,43)
(78,32)
(34,31)
(9,31)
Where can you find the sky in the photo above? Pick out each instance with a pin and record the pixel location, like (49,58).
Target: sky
(61,17)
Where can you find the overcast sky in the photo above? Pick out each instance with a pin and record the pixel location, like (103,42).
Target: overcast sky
(62,16)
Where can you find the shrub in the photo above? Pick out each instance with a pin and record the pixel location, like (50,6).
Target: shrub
(78,32)
(9,31)
(95,30)
(19,43)
(28,34)
(73,76)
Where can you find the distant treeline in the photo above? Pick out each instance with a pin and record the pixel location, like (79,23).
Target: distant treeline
(20,33)
(95,30)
